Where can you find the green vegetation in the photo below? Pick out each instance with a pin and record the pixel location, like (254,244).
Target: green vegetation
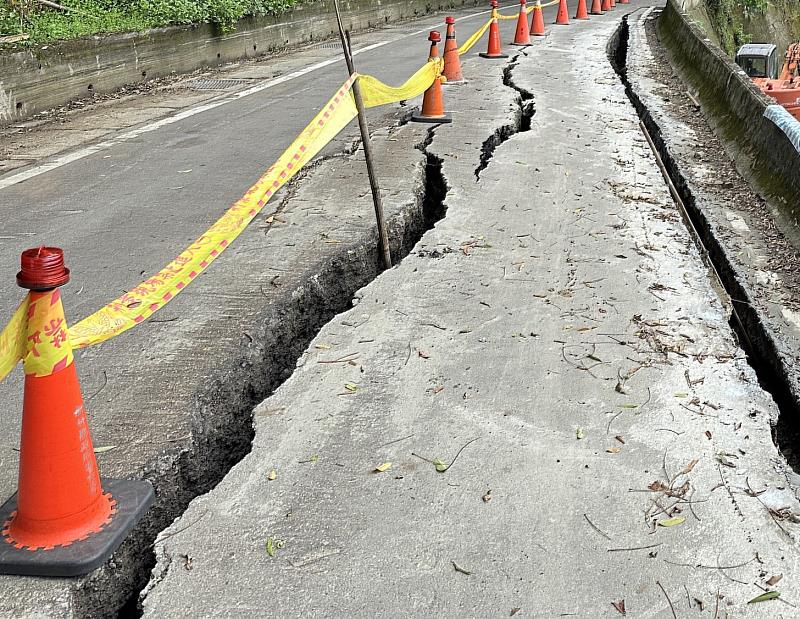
(736,22)
(728,20)
(86,17)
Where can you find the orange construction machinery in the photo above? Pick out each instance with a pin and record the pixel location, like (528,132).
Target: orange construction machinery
(760,62)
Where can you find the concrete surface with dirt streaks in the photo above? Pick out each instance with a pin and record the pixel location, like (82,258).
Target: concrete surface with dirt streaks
(751,234)
(541,412)
(123,189)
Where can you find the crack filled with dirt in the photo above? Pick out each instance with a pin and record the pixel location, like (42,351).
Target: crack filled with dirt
(222,414)
(749,326)
(521,122)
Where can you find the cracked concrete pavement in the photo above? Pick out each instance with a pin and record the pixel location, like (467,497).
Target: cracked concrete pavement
(196,423)
(555,342)
(755,246)
(174,397)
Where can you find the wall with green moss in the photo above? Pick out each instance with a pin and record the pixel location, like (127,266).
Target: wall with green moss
(732,23)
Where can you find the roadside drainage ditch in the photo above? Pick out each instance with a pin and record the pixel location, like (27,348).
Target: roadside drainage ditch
(222,423)
(750,328)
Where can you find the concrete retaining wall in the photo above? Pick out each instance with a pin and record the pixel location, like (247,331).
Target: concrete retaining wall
(731,98)
(52,75)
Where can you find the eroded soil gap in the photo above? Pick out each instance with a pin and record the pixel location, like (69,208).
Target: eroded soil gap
(754,336)
(521,122)
(433,206)
(222,424)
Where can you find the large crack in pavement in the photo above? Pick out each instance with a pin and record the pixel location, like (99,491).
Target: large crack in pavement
(433,210)
(520,123)
(289,328)
(753,330)
(436,187)
(222,420)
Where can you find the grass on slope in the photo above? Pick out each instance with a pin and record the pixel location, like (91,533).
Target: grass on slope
(87,17)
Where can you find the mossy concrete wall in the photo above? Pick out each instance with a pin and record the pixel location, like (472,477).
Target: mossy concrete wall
(51,75)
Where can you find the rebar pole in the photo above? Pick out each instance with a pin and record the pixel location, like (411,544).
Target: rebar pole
(362,125)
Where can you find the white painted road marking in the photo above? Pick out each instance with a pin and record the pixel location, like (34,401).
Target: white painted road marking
(82,153)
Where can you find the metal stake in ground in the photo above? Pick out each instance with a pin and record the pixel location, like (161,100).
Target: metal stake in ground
(362,125)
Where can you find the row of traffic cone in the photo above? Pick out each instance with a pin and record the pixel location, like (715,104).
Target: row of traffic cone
(522,36)
(433,104)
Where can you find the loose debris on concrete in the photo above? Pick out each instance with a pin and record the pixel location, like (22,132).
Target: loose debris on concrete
(623,434)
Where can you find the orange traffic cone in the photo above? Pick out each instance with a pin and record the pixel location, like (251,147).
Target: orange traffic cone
(613,3)
(452,61)
(523,35)
(562,19)
(597,8)
(624,2)
(432,103)
(537,21)
(494,50)
(581,13)
(606,6)
(61,522)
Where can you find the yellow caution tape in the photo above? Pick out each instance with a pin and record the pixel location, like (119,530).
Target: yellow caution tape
(36,334)
(155,292)
(375,93)
(499,16)
(12,339)
(47,346)
(135,306)
(474,38)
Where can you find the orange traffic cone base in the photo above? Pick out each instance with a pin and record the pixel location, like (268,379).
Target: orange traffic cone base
(488,55)
(36,534)
(128,501)
(518,45)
